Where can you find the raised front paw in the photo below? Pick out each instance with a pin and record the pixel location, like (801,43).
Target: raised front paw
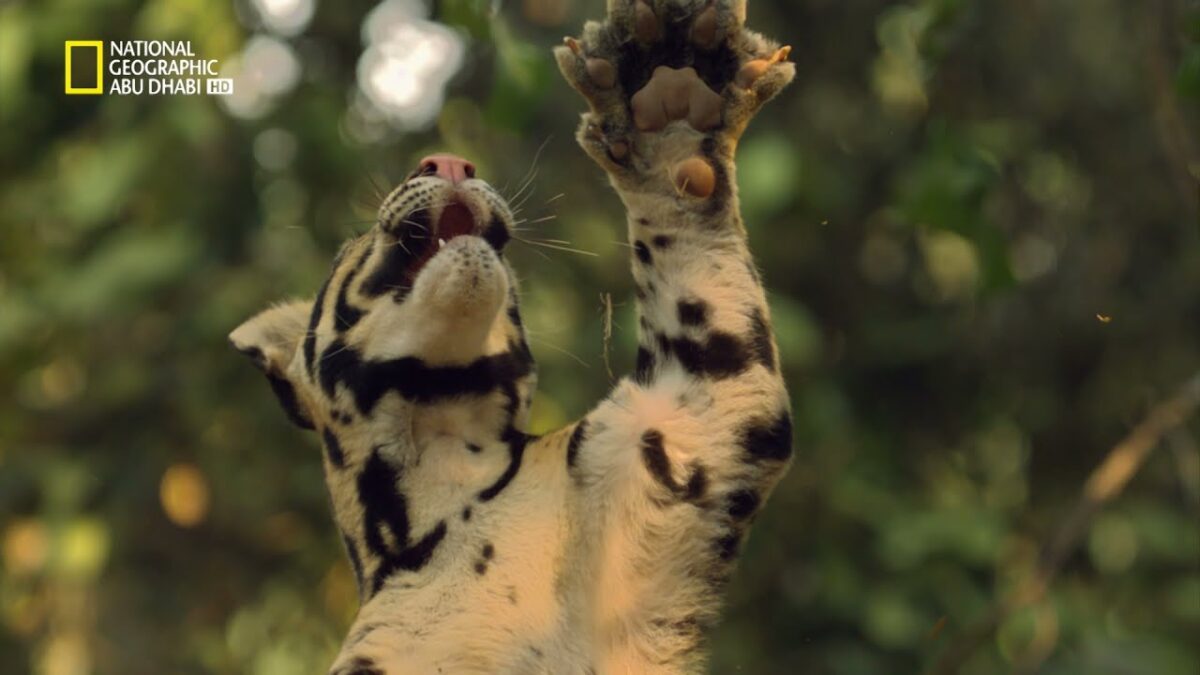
(672,85)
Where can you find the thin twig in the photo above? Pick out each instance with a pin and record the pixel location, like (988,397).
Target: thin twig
(607,303)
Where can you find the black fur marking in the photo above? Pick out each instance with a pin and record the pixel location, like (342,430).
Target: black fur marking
(474,449)
(693,312)
(743,504)
(512,402)
(761,342)
(514,312)
(719,356)
(466,514)
(727,547)
(697,484)
(412,558)
(480,567)
(384,504)
(578,436)
(724,185)
(391,273)
(662,241)
(516,451)
(769,439)
(643,372)
(286,394)
(369,381)
(355,560)
(488,552)
(643,253)
(314,320)
(345,315)
(496,234)
(333,448)
(360,665)
(654,456)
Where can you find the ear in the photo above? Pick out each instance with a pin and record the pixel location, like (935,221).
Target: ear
(270,339)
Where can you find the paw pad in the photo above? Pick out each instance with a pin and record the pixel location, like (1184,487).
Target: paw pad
(645,23)
(654,63)
(675,95)
(755,69)
(602,73)
(705,30)
(696,177)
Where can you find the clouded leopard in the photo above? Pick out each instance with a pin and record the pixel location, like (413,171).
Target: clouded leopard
(603,547)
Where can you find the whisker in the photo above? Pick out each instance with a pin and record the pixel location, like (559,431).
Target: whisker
(560,350)
(536,251)
(556,247)
(379,193)
(533,164)
(521,197)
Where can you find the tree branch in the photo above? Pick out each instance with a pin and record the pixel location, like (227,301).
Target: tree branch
(1105,483)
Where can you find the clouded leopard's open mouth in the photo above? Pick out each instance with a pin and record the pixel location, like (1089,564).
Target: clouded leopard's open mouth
(456,220)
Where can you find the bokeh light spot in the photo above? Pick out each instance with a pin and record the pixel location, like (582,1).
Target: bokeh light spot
(184,495)
(84,548)
(266,69)
(275,149)
(285,17)
(404,70)
(26,546)
(66,654)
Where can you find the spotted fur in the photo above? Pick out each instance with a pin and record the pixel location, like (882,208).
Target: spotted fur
(603,547)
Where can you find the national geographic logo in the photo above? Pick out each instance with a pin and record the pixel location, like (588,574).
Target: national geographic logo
(140,67)
(85,67)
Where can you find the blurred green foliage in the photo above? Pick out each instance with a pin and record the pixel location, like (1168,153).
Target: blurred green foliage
(978,222)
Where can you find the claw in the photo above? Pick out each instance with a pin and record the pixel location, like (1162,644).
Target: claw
(573,45)
(755,69)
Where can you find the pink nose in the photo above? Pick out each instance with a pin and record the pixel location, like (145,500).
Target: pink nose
(448,167)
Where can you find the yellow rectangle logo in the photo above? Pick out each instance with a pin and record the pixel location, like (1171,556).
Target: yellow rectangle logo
(86,85)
